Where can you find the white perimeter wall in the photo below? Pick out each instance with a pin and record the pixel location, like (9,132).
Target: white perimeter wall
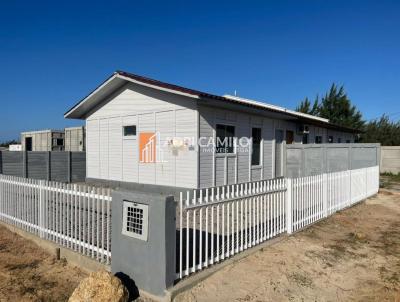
(111,156)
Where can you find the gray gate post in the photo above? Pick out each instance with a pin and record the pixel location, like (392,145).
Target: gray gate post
(150,260)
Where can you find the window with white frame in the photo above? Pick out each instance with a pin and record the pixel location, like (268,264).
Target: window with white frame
(225,139)
(130,131)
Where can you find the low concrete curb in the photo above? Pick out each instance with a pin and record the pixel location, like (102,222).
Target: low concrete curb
(193,280)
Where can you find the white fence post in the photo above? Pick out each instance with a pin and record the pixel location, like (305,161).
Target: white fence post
(325,194)
(41,208)
(289,209)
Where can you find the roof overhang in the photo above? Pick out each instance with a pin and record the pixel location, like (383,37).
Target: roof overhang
(116,81)
(120,78)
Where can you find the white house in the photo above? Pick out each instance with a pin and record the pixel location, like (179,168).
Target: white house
(139,130)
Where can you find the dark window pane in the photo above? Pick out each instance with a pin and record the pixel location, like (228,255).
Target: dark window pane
(255,155)
(305,138)
(330,139)
(289,137)
(318,139)
(225,138)
(129,130)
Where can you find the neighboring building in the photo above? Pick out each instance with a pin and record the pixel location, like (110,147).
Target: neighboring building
(43,140)
(140,130)
(15,147)
(74,139)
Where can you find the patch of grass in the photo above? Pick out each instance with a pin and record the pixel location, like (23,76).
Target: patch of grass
(388,276)
(392,176)
(390,240)
(19,266)
(338,251)
(301,280)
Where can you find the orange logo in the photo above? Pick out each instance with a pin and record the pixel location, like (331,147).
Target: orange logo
(147,147)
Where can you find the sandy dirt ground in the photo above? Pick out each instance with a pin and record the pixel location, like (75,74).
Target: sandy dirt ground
(28,273)
(352,256)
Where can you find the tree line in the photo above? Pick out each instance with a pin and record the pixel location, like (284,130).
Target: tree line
(336,106)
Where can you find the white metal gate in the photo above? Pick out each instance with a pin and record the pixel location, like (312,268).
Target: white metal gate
(217,223)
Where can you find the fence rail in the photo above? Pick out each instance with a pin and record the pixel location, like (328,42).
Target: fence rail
(216,223)
(77,217)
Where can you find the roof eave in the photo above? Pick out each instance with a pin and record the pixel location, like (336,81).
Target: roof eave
(76,113)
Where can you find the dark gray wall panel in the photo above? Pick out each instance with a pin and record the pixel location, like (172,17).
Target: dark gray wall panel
(37,165)
(59,166)
(78,166)
(13,163)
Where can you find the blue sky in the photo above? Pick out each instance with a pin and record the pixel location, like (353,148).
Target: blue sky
(52,54)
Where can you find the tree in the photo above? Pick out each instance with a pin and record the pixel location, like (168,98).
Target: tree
(335,106)
(382,131)
(305,107)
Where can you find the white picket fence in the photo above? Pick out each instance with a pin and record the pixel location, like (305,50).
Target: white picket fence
(312,198)
(216,223)
(77,217)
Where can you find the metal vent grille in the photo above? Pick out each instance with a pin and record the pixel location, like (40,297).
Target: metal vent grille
(135,220)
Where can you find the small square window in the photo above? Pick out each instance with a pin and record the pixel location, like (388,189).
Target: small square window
(318,139)
(330,139)
(130,130)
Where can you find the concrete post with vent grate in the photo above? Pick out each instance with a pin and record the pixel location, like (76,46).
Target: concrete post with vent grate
(143,239)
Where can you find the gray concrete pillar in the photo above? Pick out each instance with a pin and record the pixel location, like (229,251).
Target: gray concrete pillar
(146,256)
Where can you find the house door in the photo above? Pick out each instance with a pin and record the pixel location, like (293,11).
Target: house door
(278,153)
(28,143)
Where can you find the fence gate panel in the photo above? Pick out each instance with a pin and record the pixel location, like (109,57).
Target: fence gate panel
(216,223)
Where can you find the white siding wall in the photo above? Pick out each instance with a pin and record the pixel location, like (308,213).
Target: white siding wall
(220,170)
(93,149)
(111,156)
